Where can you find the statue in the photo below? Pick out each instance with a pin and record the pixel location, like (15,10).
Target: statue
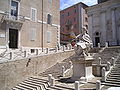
(83,44)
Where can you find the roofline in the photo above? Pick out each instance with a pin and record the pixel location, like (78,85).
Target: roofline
(75,5)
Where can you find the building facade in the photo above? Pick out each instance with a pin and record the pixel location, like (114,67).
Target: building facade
(104,23)
(29,24)
(72,20)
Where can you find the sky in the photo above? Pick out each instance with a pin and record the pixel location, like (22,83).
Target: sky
(66,3)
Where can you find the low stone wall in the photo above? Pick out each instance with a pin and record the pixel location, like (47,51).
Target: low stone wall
(13,72)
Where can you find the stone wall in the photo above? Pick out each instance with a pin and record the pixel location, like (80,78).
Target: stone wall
(12,73)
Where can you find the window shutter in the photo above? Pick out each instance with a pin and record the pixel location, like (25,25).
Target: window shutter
(33,34)
(48,36)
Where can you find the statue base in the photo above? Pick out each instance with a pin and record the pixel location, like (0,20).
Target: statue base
(82,68)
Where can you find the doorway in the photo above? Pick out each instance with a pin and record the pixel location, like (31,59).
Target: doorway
(13,38)
(97,40)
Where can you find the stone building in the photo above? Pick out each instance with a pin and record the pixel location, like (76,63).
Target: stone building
(29,24)
(72,20)
(104,23)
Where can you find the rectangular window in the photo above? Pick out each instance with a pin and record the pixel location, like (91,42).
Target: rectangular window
(14,10)
(48,36)
(33,14)
(33,34)
(49,19)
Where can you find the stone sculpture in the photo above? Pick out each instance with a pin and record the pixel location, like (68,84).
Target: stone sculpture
(83,44)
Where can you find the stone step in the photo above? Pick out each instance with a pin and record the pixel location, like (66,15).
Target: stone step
(117,80)
(44,85)
(110,84)
(116,73)
(22,88)
(15,88)
(27,86)
(31,85)
(114,78)
(41,85)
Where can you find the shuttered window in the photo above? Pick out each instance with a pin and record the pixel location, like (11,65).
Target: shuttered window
(33,34)
(48,37)
(33,14)
(49,19)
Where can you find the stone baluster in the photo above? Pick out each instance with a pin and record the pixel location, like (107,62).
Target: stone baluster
(106,44)
(108,66)
(56,49)
(98,45)
(63,70)
(99,58)
(51,80)
(25,53)
(98,85)
(47,50)
(103,74)
(113,61)
(11,55)
(37,52)
(77,85)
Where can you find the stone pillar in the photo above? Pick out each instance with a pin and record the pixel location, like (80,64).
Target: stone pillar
(63,70)
(37,52)
(56,49)
(47,50)
(98,45)
(52,82)
(90,26)
(77,85)
(25,53)
(103,74)
(99,58)
(64,47)
(98,85)
(108,66)
(114,28)
(11,55)
(103,26)
(106,44)
(49,77)
(113,61)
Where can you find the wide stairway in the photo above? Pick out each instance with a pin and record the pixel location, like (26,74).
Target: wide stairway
(113,78)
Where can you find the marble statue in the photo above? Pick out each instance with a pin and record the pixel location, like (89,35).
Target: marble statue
(83,44)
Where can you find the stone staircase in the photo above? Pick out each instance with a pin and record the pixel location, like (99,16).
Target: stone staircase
(107,54)
(36,83)
(113,78)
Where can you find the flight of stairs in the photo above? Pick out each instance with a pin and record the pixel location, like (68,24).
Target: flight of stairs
(113,78)
(36,83)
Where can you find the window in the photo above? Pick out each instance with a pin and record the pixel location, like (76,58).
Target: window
(33,14)
(75,11)
(14,9)
(48,36)
(49,19)
(68,14)
(33,34)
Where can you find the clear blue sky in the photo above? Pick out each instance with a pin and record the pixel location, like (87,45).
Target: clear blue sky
(66,3)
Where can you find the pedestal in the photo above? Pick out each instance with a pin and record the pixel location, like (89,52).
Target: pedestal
(82,68)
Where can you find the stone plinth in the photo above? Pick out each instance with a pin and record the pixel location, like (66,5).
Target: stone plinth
(82,68)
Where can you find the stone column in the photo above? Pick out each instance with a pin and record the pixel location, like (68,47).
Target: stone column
(77,85)
(98,45)
(11,55)
(98,85)
(108,66)
(47,50)
(106,44)
(63,70)
(103,27)
(25,53)
(114,28)
(90,26)
(103,74)
(113,61)
(99,58)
